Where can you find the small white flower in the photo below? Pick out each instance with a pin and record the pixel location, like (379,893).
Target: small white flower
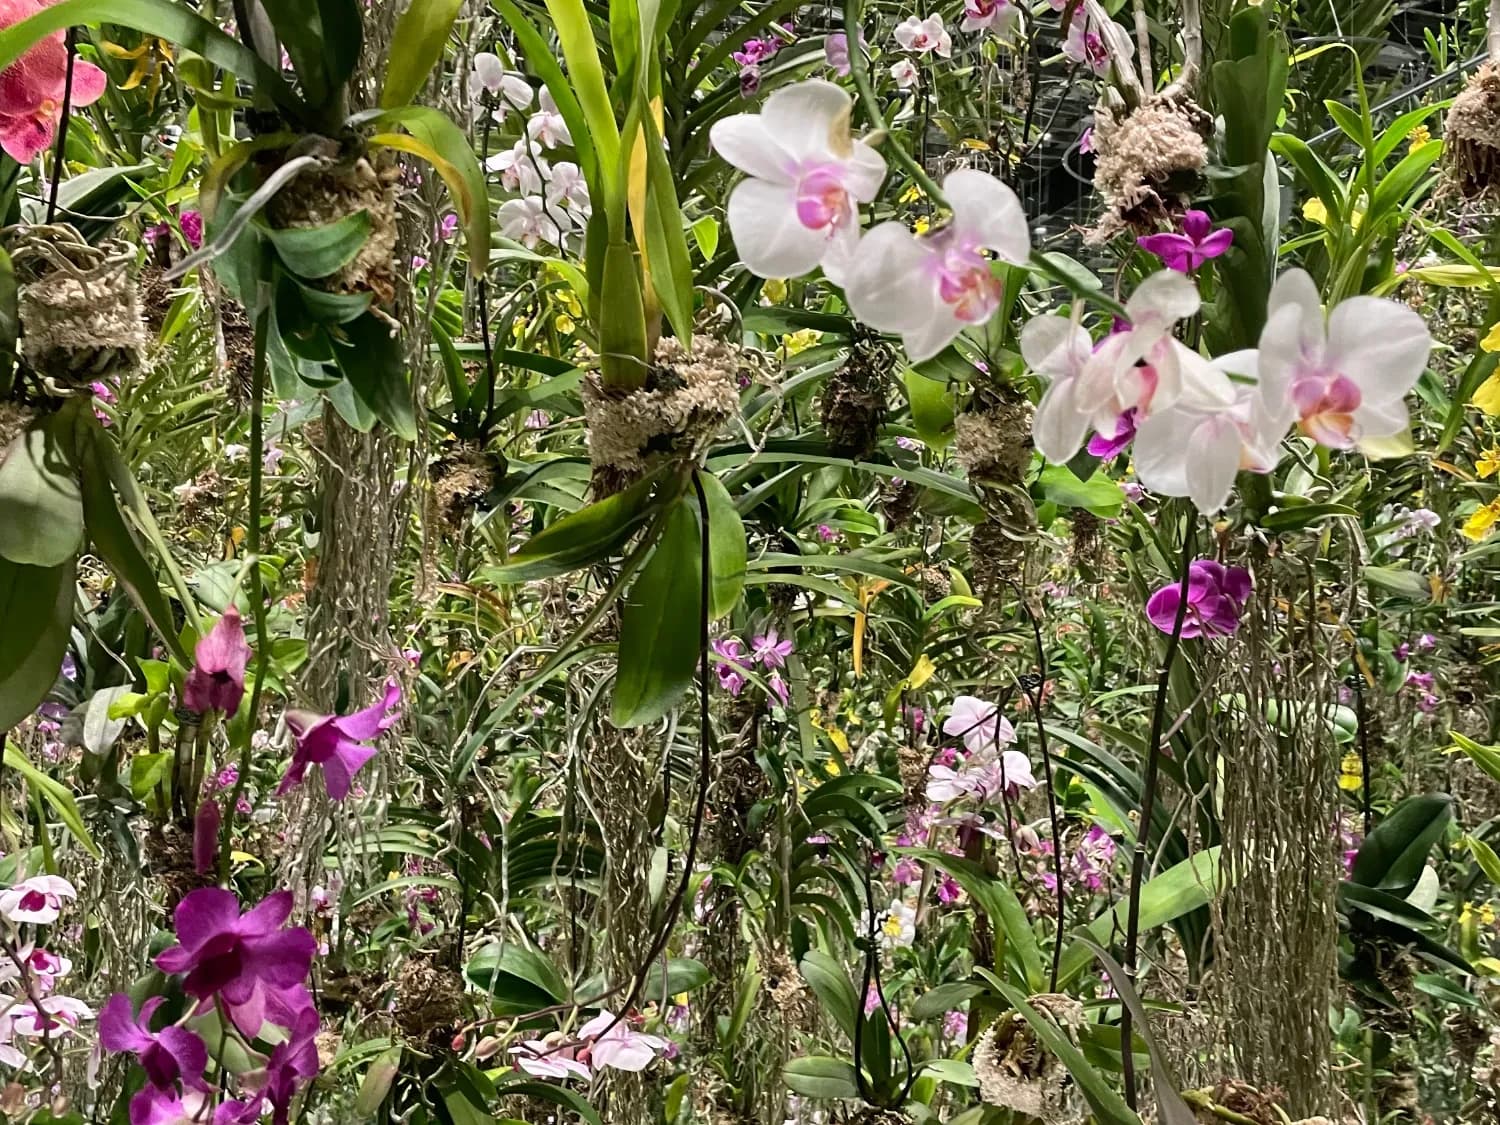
(905,72)
(529,221)
(520,169)
(547,126)
(489,75)
(899,926)
(926,35)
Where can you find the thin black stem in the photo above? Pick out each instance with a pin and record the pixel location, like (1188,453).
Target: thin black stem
(1364,745)
(61,146)
(1148,807)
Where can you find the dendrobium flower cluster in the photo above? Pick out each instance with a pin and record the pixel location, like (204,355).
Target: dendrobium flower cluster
(1196,423)
(734,663)
(243,975)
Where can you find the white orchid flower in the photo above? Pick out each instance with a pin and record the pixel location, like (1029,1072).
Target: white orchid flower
(930,287)
(798,207)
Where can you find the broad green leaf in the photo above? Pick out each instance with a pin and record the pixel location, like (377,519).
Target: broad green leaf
(421,33)
(1178,890)
(997,900)
(517,979)
(830,983)
(575,33)
(819,1076)
(376,1083)
(41,513)
(435,139)
(372,362)
(1399,580)
(931,408)
(315,252)
(683,975)
(666,241)
(581,538)
(659,624)
(1486,758)
(942,999)
(727,550)
(323,40)
(521,1084)
(36,606)
(1099,494)
(706,235)
(1394,853)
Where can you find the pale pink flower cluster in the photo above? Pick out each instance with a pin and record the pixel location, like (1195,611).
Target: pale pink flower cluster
(603,1041)
(30,1009)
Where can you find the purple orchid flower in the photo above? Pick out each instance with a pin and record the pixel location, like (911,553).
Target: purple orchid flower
(770,650)
(1216,596)
(836,52)
(1197,243)
(217,681)
(731,651)
(338,743)
(168,1056)
(1106,448)
(242,959)
(292,1063)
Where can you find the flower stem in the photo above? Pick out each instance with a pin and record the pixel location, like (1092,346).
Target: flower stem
(60,149)
(1148,805)
(852,10)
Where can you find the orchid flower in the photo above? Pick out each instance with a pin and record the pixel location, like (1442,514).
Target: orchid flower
(51,1015)
(520,170)
(168,1057)
(899,926)
(38,899)
(217,681)
(1216,597)
(33,88)
(1085,45)
(550,1057)
(1195,449)
(568,187)
(930,287)
(979,724)
(905,73)
(616,1044)
(924,36)
(836,53)
(530,221)
(1140,368)
(998,16)
(489,75)
(338,743)
(798,208)
(1197,243)
(1341,380)
(547,125)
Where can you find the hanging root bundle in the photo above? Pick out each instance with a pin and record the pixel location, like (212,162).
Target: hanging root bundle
(854,399)
(1150,162)
(1017,1072)
(78,305)
(1471,136)
(461,478)
(993,443)
(685,402)
(334,191)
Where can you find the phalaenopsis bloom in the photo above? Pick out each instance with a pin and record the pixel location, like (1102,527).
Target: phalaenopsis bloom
(798,207)
(32,88)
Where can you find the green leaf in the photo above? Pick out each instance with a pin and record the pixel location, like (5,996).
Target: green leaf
(315,252)
(580,538)
(435,139)
(163,19)
(942,999)
(666,240)
(998,901)
(422,33)
(1180,889)
(819,1076)
(575,34)
(36,605)
(1486,758)
(1393,855)
(831,984)
(683,975)
(373,364)
(41,512)
(706,235)
(1099,494)
(377,1082)
(1400,581)
(55,793)
(659,624)
(518,1083)
(955,1072)
(727,550)
(323,40)
(518,979)
(931,408)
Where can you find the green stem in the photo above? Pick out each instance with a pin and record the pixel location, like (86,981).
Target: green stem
(852,11)
(257,589)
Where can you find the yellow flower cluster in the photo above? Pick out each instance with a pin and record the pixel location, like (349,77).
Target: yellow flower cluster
(1484,914)
(1482,522)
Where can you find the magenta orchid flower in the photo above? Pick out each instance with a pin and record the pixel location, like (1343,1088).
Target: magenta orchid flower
(1343,379)
(1086,46)
(1197,243)
(1216,597)
(292,1063)
(614,1043)
(217,681)
(798,207)
(732,666)
(53,1015)
(930,287)
(32,88)
(338,743)
(245,960)
(168,1057)
(923,36)
(37,900)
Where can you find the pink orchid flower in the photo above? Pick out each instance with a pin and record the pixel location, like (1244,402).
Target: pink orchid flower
(31,88)
(1197,243)
(930,287)
(798,207)
(1343,379)
(998,16)
(616,1044)
(923,36)
(217,681)
(38,899)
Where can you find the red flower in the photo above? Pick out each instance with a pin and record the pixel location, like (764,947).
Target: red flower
(31,88)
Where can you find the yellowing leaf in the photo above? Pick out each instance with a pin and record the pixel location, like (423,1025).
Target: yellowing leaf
(921,672)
